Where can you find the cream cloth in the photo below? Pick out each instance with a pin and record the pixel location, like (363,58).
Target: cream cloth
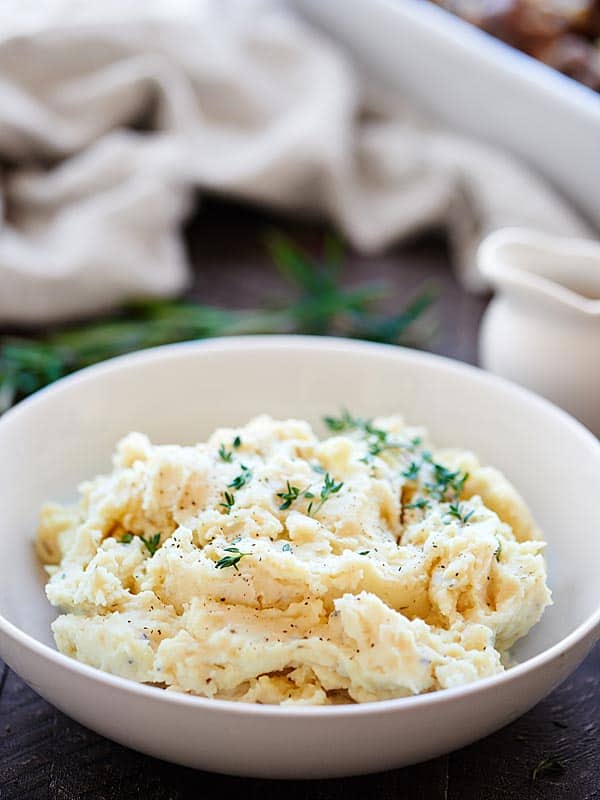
(240,98)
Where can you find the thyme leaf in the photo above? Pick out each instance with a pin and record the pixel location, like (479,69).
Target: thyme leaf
(228,502)
(421,503)
(232,559)
(289,496)
(328,489)
(457,511)
(151,543)
(412,472)
(224,454)
(241,479)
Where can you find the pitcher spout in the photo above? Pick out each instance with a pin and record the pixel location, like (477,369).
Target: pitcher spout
(556,270)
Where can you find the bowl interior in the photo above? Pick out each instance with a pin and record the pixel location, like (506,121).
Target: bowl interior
(181,393)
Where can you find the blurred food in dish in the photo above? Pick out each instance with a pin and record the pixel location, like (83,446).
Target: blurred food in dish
(565,34)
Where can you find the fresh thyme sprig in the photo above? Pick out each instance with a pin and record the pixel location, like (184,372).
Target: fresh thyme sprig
(328,489)
(228,502)
(421,504)
(224,453)
(291,494)
(345,422)
(320,305)
(237,483)
(241,479)
(457,511)
(411,473)
(231,560)
(446,481)
(377,440)
(151,543)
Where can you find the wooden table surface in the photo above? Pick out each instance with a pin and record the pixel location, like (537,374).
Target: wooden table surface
(43,754)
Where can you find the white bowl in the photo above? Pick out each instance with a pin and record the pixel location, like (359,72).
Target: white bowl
(179,394)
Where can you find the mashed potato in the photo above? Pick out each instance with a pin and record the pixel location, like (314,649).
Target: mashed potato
(270,566)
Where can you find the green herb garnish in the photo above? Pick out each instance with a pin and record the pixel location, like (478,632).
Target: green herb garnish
(151,543)
(457,511)
(242,479)
(320,304)
(345,422)
(289,496)
(228,502)
(231,560)
(421,503)
(237,442)
(412,473)
(224,454)
(551,764)
(446,481)
(329,488)
(377,439)
(364,553)
(287,547)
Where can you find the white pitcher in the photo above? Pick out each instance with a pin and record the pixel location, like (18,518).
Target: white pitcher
(542,328)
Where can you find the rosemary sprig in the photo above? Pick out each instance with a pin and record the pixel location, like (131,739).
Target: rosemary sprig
(320,305)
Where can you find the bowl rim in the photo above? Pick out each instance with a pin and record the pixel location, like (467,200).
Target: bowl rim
(589,628)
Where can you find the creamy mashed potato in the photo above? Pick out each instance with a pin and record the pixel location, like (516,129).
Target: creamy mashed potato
(270,566)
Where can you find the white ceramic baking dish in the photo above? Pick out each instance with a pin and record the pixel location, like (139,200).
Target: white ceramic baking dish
(479,85)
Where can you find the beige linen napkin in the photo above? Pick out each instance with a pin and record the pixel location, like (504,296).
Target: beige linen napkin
(240,98)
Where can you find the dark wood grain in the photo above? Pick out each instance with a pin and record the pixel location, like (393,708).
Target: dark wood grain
(46,756)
